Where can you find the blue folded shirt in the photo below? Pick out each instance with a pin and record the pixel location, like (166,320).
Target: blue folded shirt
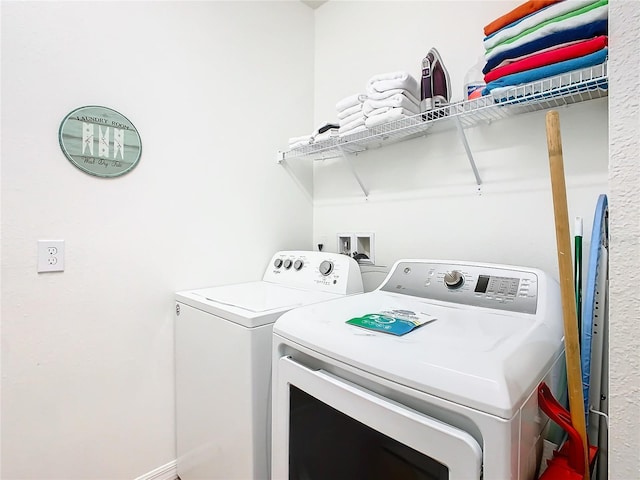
(552,70)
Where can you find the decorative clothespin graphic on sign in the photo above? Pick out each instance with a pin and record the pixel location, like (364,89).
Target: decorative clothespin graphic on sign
(100,141)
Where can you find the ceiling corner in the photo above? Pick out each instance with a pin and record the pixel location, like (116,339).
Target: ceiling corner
(313,3)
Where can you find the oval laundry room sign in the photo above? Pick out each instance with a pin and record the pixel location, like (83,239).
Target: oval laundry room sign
(100,141)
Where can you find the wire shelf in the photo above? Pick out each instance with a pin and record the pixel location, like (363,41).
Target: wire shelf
(571,87)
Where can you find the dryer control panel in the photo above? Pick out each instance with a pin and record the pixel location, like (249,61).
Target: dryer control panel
(316,271)
(499,287)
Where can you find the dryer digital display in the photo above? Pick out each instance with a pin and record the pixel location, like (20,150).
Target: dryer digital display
(497,285)
(483,282)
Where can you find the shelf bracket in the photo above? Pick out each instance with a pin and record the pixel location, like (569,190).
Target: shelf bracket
(463,138)
(307,192)
(345,156)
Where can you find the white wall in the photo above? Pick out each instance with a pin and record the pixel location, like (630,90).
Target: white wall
(624,247)
(214,88)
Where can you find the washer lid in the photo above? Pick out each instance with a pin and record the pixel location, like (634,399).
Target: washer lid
(489,360)
(251,304)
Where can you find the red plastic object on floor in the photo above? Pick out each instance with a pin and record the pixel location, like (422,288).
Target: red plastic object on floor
(568,462)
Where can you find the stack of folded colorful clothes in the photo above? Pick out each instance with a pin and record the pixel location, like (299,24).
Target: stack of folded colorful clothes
(544,38)
(391,96)
(350,114)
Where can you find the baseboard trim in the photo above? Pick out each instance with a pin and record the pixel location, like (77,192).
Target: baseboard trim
(165,472)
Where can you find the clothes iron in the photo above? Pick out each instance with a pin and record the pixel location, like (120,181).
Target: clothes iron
(435,88)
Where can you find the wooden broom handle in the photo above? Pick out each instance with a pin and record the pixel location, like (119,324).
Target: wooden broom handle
(563,240)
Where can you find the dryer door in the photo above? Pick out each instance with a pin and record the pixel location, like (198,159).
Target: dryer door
(326,427)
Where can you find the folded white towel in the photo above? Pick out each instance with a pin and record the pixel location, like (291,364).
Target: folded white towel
(293,146)
(397,100)
(296,140)
(388,116)
(349,111)
(351,131)
(391,92)
(351,125)
(324,126)
(351,118)
(321,137)
(378,111)
(387,81)
(350,101)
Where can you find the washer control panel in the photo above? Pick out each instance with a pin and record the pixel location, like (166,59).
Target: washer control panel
(491,286)
(321,271)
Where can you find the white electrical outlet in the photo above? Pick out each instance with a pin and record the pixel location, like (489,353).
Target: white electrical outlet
(50,256)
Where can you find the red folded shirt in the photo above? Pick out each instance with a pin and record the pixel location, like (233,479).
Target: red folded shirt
(517,13)
(549,58)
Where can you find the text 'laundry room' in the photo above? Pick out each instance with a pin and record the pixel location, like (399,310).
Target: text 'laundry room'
(320,240)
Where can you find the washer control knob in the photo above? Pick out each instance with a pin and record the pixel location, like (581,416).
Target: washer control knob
(287,264)
(453,279)
(298,264)
(277,262)
(326,267)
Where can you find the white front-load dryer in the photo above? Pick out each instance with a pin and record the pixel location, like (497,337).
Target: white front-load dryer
(223,361)
(434,375)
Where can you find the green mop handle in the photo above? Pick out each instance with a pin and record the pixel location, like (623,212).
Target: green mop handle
(577,273)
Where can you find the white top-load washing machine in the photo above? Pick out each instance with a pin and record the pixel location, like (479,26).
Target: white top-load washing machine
(454,398)
(223,361)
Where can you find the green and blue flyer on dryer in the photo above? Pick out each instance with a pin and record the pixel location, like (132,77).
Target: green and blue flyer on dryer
(395,322)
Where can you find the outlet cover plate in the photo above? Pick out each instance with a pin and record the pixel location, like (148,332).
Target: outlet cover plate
(50,256)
